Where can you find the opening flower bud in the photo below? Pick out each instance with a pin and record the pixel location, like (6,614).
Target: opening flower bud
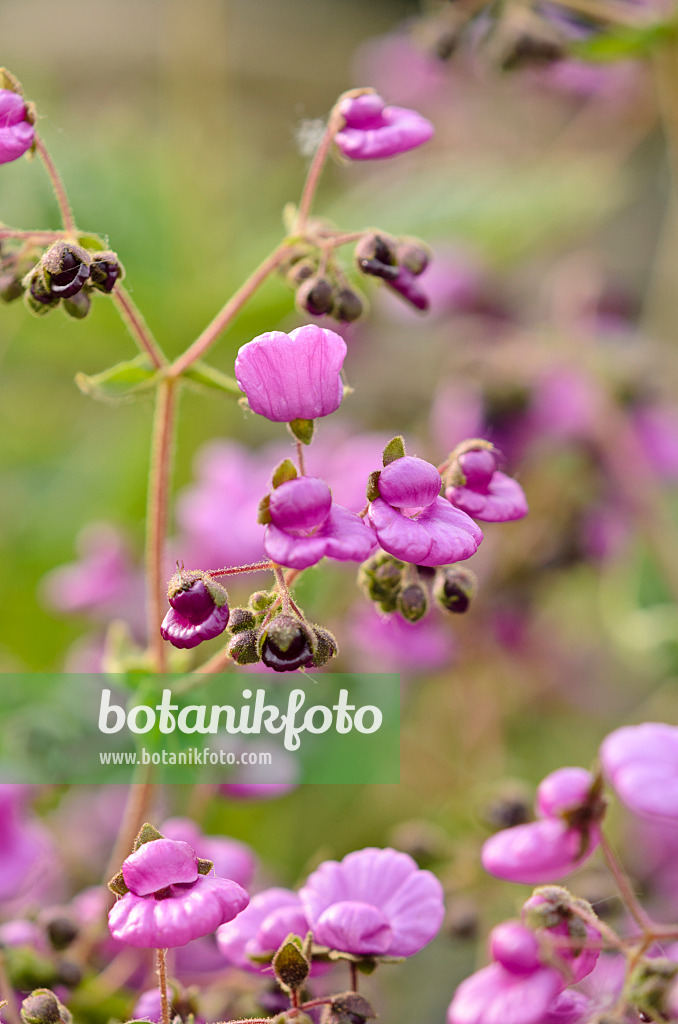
(67,268)
(43,1007)
(286,644)
(244,648)
(199,609)
(412,602)
(454,588)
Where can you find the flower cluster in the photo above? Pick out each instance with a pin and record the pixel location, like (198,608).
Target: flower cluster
(68,274)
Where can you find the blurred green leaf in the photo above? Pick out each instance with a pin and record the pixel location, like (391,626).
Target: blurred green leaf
(121,382)
(214,380)
(623,43)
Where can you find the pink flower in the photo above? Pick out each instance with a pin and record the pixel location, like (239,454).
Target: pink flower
(495,995)
(16,130)
(231,858)
(292,376)
(373,131)
(262,927)
(373,903)
(199,610)
(485,493)
(573,945)
(641,762)
(306,525)
(413,523)
(564,837)
(169,901)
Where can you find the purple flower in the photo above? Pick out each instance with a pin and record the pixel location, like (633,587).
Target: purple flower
(199,610)
(495,995)
(416,525)
(373,131)
(262,927)
(16,130)
(570,1007)
(484,492)
(565,836)
(573,945)
(373,903)
(231,858)
(170,902)
(306,525)
(295,376)
(641,763)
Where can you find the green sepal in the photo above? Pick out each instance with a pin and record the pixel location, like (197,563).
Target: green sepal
(121,383)
(92,242)
(147,834)
(284,472)
(395,449)
(372,490)
(204,866)
(212,379)
(302,430)
(263,512)
(290,964)
(117,885)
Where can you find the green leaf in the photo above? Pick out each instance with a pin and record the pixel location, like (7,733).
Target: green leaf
(121,382)
(395,449)
(213,380)
(290,965)
(92,242)
(625,43)
(302,430)
(372,490)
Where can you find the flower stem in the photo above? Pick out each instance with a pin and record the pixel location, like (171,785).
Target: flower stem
(65,210)
(162,984)
(317,164)
(137,326)
(236,569)
(300,458)
(228,312)
(354,975)
(627,894)
(39,237)
(158,515)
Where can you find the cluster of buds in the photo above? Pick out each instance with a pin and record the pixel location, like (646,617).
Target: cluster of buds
(283,643)
(397,261)
(67,273)
(321,287)
(408,589)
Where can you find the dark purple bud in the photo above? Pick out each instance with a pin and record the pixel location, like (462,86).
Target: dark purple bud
(199,609)
(301,272)
(38,296)
(286,644)
(348,307)
(66,268)
(244,648)
(454,588)
(412,602)
(529,49)
(405,284)
(375,255)
(105,270)
(61,932)
(315,296)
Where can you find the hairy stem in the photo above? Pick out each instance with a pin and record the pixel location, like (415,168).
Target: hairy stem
(317,164)
(162,985)
(65,210)
(158,516)
(39,237)
(224,317)
(624,886)
(137,326)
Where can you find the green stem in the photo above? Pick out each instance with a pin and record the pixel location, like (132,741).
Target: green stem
(65,210)
(158,516)
(224,317)
(137,326)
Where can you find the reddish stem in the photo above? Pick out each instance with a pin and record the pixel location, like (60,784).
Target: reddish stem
(137,326)
(57,184)
(158,516)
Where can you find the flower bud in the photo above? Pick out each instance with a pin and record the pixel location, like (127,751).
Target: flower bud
(78,306)
(241,619)
(413,255)
(375,255)
(325,646)
(37,296)
(260,600)
(315,296)
(412,602)
(244,648)
(105,270)
(43,1007)
(67,268)
(10,287)
(301,272)
(649,987)
(348,306)
(199,609)
(286,644)
(454,587)
(380,576)
(61,932)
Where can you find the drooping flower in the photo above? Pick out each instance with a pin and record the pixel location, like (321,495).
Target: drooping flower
(262,927)
(231,858)
(16,128)
(641,763)
(199,609)
(572,944)
(481,490)
(306,526)
(169,901)
(373,903)
(569,808)
(295,376)
(373,131)
(413,522)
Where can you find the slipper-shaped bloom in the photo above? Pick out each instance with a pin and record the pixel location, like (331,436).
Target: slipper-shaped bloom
(413,523)
(169,901)
(487,494)
(641,762)
(567,833)
(306,526)
(16,131)
(199,609)
(295,376)
(373,903)
(261,928)
(373,131)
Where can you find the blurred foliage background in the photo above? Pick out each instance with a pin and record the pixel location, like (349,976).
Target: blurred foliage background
(175,128)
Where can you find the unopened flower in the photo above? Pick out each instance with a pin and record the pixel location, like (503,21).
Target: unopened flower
(262,927)
(286,644)
(373,903)
(295,376)
(641,762)
(413,522)
(199,609)
(169,902)
(16,126)
(306,525)
(373,131)
(566,834)
(483,491)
